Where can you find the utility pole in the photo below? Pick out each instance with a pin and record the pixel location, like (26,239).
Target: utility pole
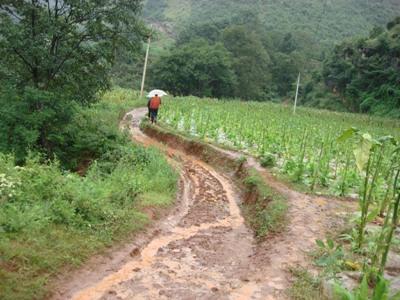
(145,66)
(297,94)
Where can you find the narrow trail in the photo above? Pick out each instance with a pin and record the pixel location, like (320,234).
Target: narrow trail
(204,250)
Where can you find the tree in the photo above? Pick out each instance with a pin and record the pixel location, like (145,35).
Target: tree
(284,72)
(196,68)
(366,72)
(66,46)
(251,62)
(54,53)
(208,31)
(288,44)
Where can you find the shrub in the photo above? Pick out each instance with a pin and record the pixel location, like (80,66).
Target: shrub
(268,160)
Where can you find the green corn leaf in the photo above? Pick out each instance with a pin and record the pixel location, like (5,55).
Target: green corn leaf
(320,243)
(342,293)
(363,150)
(363,291)
(372,215)
(347,134)
(330,243)
(381,290)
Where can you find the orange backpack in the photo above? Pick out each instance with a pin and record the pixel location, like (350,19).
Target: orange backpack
(155,102)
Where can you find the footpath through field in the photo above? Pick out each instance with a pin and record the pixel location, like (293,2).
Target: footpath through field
(204,250)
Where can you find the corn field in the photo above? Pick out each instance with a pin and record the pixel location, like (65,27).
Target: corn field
(305,146)
(340,154)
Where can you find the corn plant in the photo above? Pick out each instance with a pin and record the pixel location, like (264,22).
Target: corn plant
(368,154)
(380,292)
(390,229)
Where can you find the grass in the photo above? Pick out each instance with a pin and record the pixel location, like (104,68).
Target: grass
(265,210)
(53,220)
(30,260)
(305,286)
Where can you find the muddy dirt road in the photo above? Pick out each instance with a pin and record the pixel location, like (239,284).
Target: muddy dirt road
(204,250)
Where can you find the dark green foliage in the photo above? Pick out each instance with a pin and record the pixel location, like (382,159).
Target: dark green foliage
(127,70)
(85,138)
(265,64)
(393,23)
(208,31)
(266,61)
(365,72)
(284,72)
(154,9)
(22,128)
(68,132)
(54,54)
(251,62)
(326,21)
(66,48)
(93,132)
(196,68)
(296,36)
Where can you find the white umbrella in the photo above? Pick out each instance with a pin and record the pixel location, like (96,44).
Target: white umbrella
(160,93)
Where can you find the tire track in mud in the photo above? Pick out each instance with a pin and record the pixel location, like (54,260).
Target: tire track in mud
(204,250)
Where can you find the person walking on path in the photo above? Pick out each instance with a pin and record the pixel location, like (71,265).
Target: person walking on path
(154,105)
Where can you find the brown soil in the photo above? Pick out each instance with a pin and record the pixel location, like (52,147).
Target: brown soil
(204,250)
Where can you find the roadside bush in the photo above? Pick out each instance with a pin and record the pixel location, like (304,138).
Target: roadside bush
(38,195)
(75,134)
(46,212)
(30,119)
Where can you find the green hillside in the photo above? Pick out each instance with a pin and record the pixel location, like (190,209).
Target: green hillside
(262,46)
(327,20)
(362,75)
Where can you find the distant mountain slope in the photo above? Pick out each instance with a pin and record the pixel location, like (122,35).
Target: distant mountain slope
(363,75)
(327,20)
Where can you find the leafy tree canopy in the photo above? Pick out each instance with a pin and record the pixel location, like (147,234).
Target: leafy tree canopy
(325,20)
(197,68)
(65,46)
(251,62)
(54,55)
(366,72)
